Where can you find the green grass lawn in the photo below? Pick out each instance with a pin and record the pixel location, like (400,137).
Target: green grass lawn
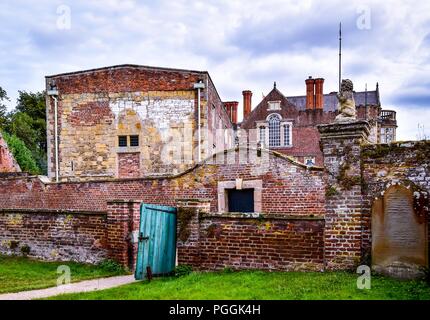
(262,285)
(19,274)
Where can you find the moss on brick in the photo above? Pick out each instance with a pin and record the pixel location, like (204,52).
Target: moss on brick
(185,216)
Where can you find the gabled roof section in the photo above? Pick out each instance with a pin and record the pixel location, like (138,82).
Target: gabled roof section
(261,112)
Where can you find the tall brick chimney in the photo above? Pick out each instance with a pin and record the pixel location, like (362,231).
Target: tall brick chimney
(247,98)
(231,107)
(310,93)
(319,93)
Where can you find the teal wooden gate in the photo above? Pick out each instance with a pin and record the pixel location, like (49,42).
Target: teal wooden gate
(157,240)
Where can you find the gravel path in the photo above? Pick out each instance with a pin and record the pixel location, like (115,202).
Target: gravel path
(84,286)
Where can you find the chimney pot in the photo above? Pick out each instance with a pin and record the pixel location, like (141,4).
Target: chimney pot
(247,99)
(310,93)
(319,93)
(231,107)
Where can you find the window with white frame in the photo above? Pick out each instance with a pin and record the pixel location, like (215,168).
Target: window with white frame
(274,105)
(287,134)
(274,130)
(262,130)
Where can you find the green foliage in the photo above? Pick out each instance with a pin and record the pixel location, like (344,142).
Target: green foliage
(28,123)
(25,249)
(21,153)
(331,191)
(111,266)
(183,270)
(3,109)
(185,216)
(260,285)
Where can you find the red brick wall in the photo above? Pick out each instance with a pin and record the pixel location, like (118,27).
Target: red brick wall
(128,165)
(126,79)
(270,244)
(288,189)
(50,235)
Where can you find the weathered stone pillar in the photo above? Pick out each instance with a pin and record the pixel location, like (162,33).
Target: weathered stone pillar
(122,219)
(341,146)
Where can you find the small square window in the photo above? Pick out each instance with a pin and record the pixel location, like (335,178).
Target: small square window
(134,141)
(122,141)
(240,200)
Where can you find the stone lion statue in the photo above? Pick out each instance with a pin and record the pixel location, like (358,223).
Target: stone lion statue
(346,104)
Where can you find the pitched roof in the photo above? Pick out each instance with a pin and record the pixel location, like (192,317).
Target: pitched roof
(330,100)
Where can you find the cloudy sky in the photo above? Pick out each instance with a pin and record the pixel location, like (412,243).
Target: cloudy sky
(243,44)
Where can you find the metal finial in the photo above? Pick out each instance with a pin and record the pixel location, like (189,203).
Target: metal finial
(274,85)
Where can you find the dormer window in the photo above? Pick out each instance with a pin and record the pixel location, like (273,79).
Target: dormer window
(274,105)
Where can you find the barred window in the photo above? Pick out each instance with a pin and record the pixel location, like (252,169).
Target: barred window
(287,135)
(134,141)
(122,141)
(274,131)
(263,135)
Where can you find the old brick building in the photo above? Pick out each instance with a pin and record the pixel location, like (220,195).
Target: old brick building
(130,121)
(245,207)
(288,124)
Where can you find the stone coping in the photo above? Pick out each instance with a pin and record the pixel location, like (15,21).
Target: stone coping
(270,216)
(50,211)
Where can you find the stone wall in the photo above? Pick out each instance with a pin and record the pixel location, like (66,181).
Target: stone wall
(404,166)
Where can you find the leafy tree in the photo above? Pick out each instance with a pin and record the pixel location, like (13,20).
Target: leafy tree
(34,105)
(27,123)
(21,153)
(3,109)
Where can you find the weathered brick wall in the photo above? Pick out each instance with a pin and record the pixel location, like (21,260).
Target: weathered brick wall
(341,145)
(266,243)
(52,235)
(128,165)
(7,161)
(288,189)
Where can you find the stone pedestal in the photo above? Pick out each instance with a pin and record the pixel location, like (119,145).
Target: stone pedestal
(341,146)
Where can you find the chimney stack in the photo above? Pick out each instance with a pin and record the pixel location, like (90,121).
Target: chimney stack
(310,93)
(231,107)
(319,93)
(247,98)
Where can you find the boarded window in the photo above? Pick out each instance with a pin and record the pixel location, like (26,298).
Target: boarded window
(241,200)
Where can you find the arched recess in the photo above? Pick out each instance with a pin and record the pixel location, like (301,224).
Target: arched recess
(399,234)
